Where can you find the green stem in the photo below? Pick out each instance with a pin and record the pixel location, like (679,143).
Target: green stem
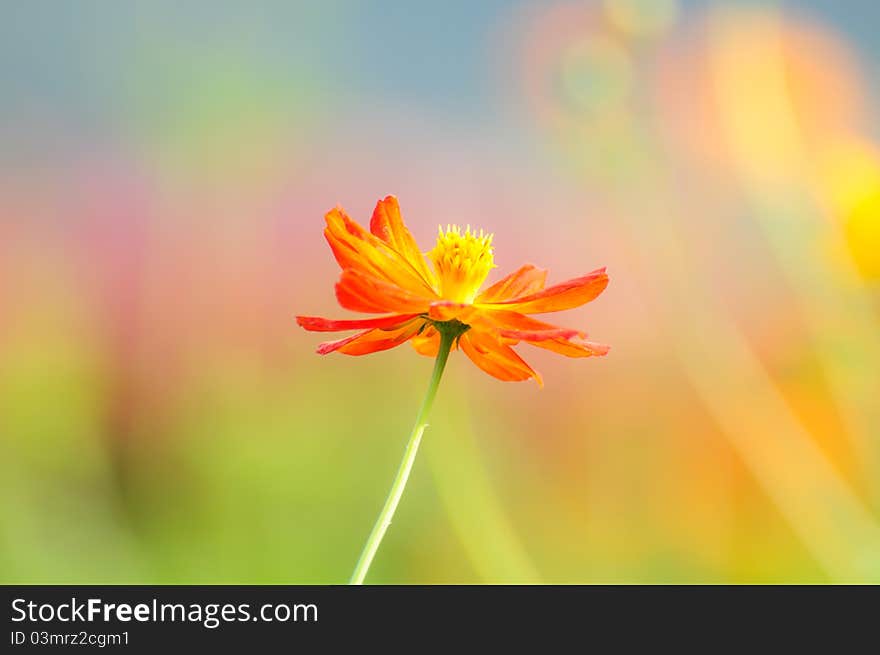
(447,337)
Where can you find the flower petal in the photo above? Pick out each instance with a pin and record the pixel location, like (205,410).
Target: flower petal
(387,224)
(318,324)
(427,343)
(559,297)
(503,319)
(538,335)
(572,348)
(370,341)
(506,324)
(361,292)
(330,346)
(445,310)
(496,358)
(357,249)
(526,279)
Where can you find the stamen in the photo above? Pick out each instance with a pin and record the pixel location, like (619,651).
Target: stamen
(462,261)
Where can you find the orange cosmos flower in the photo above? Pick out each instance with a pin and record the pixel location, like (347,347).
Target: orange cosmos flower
(384,272)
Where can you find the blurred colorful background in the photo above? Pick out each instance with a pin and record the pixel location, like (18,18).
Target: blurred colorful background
(164,171)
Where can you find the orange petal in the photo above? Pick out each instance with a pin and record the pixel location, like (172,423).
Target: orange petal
(387,224)
(444,310)
(344,249)
(427,343)
(495,358)
(330,346)
(538,335)
(318,324)
(357,249)
(572,348)
(559,297)
(502,319)
(370,341)
(361,292)
(526,279)
(504,323)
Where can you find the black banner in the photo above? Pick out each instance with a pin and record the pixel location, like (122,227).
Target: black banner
(147,618)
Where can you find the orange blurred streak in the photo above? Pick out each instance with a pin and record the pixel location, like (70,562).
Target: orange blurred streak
(749,90)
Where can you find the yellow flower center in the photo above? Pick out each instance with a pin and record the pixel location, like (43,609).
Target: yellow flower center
(462,260)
